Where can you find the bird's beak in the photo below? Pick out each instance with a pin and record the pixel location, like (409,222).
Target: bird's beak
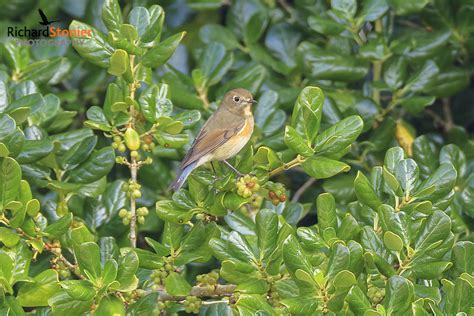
(252,101)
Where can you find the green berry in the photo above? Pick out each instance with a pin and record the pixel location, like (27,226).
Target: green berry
(141,220)
(122,148)
(115,145)
(117,139)
(134,154)
(146,147)
(137,194)
(123,213)
(126,221)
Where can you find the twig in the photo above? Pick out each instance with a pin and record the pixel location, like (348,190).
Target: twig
(449,123)
(133,166)
(295,162)
(436,118)
(219,291)
(301,190)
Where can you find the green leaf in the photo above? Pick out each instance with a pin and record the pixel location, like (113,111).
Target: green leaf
(306,117)
(38,293)
(373,9)
(399,295)
(58,228)
(296,143)
(365,193)
(424,78)
(158,55)
(88,258)
(322,64)
(62,304)
(294,257)
(392,241)
(463,256)
(358,301)
(152,31)
(170,211)
(346,7)
(212,33)
(334,140)
(395,72)
(214,64)
(10,177)
(267,232)
(176,284)
(325,25)
(119,63)
(112,15)
(95,167)
(320,167)
(8,237)
(403,7)
(443,181)
(110,305)
(140,19)
(326,210)
(91,44)
(407,174)
(127,268)
(344,279)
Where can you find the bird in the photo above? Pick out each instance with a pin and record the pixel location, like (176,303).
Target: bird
(223,135)
(44,18)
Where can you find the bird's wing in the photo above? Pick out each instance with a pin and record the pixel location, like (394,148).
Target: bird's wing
(210,139)
(43,17)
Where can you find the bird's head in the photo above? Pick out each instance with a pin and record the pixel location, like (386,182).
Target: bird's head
(239,100)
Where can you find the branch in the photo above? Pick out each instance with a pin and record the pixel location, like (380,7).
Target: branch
(303,189)
(449,123)
(219,291)
(295,162)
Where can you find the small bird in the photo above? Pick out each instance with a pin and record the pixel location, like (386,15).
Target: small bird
(45,19)
(223,135)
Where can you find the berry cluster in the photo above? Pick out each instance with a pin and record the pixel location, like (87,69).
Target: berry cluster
(132,188)
(192,304)
(208,280)
(375,294)
(158,276)
(276,193)
(247,185)
(118,144)
(148,144)
(133,296)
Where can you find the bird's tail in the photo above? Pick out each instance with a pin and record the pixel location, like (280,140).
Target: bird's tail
(181,177)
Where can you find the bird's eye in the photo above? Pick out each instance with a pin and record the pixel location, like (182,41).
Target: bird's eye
(236,98)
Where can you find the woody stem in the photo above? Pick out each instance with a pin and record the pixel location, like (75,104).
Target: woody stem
(133,165)
(293,163)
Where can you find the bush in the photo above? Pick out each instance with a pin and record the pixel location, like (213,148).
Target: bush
(358,194)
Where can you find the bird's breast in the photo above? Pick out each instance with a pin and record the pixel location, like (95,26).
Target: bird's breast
(232,147)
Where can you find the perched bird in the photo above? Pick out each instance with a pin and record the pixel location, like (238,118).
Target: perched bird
(223,135)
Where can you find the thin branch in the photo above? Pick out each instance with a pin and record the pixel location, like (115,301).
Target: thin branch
(295,162)
(301,190)
(219,291)
(133,164)
(449,123)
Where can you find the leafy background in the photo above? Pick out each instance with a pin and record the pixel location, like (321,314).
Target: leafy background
(359,198)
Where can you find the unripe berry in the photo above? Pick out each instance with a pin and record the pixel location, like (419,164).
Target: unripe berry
(123,213)
(134,154)
(117,139)
(141,220)
(132,139)
(115,145)
(122,148)
(137,194)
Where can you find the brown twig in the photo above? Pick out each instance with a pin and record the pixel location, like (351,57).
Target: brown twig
(219,291)
(302,189)
(449,123)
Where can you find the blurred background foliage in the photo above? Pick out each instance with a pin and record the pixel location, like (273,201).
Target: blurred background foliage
(404,67)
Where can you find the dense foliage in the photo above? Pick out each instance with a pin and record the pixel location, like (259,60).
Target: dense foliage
(358,197)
